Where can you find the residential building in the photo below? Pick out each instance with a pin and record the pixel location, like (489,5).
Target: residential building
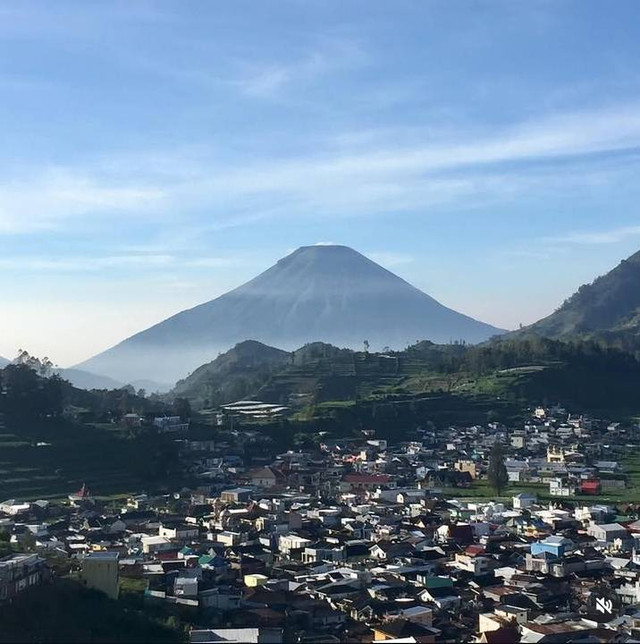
(100,572)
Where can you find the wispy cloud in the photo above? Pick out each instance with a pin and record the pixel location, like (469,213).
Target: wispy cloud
(611,236)
(266,80)
(370,180)
(378,177)
(209,262)
(45,201)
(83,264)
(255,77)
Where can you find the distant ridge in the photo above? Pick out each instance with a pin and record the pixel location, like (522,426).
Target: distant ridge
(331,294)
(608,310)
(86,380)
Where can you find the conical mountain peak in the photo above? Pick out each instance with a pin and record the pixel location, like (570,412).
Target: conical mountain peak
(332,294)
(323,255)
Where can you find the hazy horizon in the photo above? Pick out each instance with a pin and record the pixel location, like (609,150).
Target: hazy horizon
(157,155)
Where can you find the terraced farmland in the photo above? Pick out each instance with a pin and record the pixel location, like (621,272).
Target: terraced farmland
(59,460)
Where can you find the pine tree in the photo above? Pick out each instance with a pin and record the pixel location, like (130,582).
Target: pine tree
(497,472)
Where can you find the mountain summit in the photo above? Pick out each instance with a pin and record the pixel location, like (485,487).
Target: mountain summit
(317,293)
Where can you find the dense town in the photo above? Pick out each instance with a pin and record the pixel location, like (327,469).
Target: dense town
(356,540)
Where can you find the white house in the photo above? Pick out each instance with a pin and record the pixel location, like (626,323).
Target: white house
(290,542)
(524,500)
(13,507)
(561,487)
(155,544)
(607,532)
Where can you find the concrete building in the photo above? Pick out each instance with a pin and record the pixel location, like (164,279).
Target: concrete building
(608,532)
(255,580)
(100,571)
(466,465)
(19,572)
(523,501)
(237,636)
(555,454)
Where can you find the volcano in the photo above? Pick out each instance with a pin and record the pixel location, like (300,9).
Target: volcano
(331,294)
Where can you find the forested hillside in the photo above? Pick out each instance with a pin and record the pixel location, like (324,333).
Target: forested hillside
(524,370)
(54,438)
(607,310)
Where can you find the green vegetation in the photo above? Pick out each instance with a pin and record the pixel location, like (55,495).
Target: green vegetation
(606,311)
(132,586)
(497,471)
(232,375)
(56,437)
(481,488)
(65,611)
(75,454)
(46,452)
(321,381)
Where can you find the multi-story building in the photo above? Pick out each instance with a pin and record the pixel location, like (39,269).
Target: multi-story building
(100,571)
(19,572)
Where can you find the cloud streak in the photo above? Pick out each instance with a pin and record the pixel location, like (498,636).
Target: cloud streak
(372,180)
(59,196)
(84,264)
(612,236)
(267,81)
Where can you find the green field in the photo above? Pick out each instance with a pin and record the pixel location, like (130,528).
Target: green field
(108,462)
(480,489)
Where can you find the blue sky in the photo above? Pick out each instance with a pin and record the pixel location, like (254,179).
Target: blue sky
(156,154)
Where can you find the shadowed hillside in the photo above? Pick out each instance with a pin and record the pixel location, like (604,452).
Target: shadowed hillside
(607,310)
(525,370)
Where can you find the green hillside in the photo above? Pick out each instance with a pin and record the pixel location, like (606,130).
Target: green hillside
(54,438)
(232,375)
(518,372)
(607,310)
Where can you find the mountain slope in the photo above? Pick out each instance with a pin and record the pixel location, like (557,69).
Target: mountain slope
(4,362)
(232,375)
(86,380)
(607,309)
(518,372)
(331,294)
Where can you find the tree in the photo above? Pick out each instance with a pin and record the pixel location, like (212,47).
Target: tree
(182,408)
(41,367)
(497,472)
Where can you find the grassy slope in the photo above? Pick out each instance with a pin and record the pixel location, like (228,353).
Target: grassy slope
(324,381)
(65,611)
(631,494)
(607,310)
(106,460)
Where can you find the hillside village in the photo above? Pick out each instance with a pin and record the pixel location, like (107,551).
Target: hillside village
(359,539)
(320,322)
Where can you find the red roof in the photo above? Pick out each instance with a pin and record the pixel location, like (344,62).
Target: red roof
(83,492)
(474,550)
